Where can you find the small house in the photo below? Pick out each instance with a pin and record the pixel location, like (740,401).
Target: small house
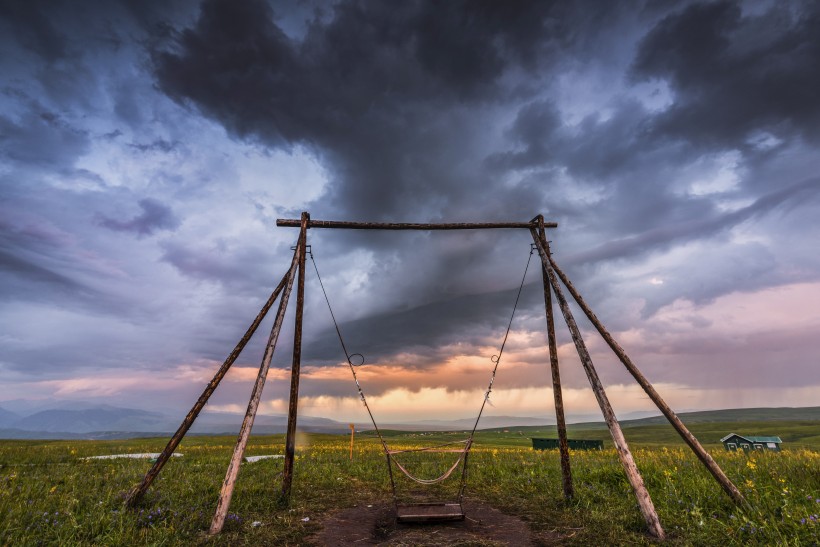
(574,444)
(733,441)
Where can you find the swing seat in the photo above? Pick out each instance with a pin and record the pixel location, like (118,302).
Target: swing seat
(429,512)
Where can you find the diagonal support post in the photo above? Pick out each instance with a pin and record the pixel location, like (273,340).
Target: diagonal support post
(686,435)
(256,394)
(624,454)
(560,421)
(136,493)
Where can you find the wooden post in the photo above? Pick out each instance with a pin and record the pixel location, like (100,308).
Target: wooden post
(688,438)
(296,223)
(627,461)
(138,491)
(256,394)
(290,438)
(561,426)
(352,431)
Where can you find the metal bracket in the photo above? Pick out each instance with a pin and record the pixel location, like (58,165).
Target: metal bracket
(307,248)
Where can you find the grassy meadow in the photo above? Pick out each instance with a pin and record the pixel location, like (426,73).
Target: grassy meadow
(50,495)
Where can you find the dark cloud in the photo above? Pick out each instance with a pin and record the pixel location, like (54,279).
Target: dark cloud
(402,106)
(155,216)
(32,27)
(381,92)
(394,100)
(534,129)
(45,277)
(668,139)
(660,238)
(237,267)
(22,252)
(41,138)
(159,145)
(15,267)
(379,336)
(734,74)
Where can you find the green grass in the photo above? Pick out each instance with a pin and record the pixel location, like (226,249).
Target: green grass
(795,434)
(48,495)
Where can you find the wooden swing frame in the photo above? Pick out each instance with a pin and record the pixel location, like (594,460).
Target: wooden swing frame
(551,274)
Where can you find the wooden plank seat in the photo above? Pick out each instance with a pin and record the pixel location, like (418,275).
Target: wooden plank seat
(429,512)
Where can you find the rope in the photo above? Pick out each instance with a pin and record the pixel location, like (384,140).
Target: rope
(497,358)
(348,356)
(469,441)
(437,479)
(332,315)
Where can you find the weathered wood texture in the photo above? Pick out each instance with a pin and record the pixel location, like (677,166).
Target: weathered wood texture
(561,425)
(682,430)
(295,223)
(429,512)
(247,423)
(290,437)
(624,454)
(138,491)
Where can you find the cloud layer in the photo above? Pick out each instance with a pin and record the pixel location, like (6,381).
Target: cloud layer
(147,151)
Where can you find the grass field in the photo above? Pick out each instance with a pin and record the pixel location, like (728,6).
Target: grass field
(795,433)
(50,495)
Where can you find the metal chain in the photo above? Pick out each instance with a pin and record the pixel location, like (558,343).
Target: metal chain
(497,358)
(348,356)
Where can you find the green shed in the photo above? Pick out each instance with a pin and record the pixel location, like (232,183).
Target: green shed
(574,444)
(733,441)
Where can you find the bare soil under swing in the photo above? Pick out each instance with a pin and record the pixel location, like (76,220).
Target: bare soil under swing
(376,525)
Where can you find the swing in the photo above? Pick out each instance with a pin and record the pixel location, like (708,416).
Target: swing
(551,274)
(429,511)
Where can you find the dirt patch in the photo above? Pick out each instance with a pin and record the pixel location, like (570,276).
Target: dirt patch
(376,525)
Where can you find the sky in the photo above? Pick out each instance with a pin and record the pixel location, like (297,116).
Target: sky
(148,147)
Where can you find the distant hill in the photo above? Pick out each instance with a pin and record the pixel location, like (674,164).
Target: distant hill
(728,416)
(92,419)
(11,433)
(707,416)
(737,415)
(85,421)
(212,423)
(108,422)
(8,417)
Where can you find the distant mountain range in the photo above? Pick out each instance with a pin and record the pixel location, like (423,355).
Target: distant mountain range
(109,422)
(84,421)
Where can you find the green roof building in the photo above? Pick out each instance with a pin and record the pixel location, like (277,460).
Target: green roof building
(733,441)
(573,444)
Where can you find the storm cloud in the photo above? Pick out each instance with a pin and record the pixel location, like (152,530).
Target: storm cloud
(147,152)
(154,216)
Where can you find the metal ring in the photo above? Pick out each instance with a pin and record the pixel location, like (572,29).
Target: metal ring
(495,359)
(350,359)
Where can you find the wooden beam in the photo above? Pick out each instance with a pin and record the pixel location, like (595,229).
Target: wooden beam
(296,223)
(138,491)
(624,454)
(561,425)
(290,437)
(685,434)
(256,394)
